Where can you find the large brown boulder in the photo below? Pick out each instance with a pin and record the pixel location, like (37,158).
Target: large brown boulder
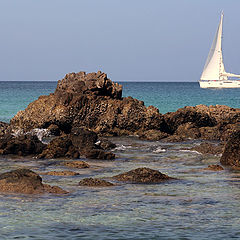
(22,145)
(142,175)
(231,153)
(91,101)
(60,147)
(26,181)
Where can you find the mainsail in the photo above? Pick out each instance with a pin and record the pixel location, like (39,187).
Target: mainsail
(214,67)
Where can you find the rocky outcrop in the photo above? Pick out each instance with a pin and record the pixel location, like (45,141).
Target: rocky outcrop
(25,181)
(22,145)
(231,153)
(91,101)
(142,175)
(205,122)
(95,182)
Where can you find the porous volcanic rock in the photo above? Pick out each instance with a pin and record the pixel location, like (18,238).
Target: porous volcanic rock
(4,128)
(95,182)
(153,135)
(231,153)
(142,175)
(26,181)
(76,164)
(91,101)
(60,147)
(22,145)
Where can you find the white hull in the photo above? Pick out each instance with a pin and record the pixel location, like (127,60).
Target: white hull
(219,84)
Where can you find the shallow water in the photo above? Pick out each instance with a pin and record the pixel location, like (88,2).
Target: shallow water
(200,204)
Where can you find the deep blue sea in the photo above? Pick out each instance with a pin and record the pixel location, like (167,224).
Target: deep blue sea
(166,96)
(199,205)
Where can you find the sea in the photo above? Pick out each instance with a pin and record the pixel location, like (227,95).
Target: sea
(200,204)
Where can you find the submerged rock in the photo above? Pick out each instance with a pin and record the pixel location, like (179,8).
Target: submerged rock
(76,164)
(25,181)
(60,173)
(95,182)
(231,153)
(142,175)
(214,168)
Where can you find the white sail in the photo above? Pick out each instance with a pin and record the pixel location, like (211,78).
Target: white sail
(214,68)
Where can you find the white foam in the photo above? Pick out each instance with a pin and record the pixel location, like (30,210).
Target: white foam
(159,150)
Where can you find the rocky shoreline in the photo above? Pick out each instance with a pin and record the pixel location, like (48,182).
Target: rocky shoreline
(85,109)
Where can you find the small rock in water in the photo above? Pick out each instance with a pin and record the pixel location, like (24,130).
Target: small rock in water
(142,175)
(214,168)
(95,182)
(25,181)
(60,173)
(77,164)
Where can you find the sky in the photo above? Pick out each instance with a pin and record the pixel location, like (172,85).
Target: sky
(130,40)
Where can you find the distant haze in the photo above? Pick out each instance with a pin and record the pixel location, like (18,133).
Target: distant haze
(128,39)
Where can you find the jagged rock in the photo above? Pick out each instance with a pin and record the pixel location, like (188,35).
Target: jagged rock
(209,148)
(60,173)
(153,135)
(142,175)
(25,181)
(188,115)
(60,147)
(188,130)
(231,153)
(4,128)
(214,168)
(54,130)
(76,164)
(91,101)
(95,182)
(21,145)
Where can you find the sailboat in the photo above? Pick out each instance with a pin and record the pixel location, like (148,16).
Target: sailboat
(214,74)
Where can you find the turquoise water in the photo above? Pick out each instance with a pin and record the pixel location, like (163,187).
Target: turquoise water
(200,204)
(15,96)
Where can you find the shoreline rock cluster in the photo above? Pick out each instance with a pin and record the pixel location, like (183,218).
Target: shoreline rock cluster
(87,107)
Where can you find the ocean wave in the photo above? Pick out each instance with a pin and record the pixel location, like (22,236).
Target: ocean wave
(190,151)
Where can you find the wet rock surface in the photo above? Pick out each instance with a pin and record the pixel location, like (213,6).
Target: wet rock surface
(231,153)
(25,181)
(95,182)
(142,175)
(209,148)
(22,145)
